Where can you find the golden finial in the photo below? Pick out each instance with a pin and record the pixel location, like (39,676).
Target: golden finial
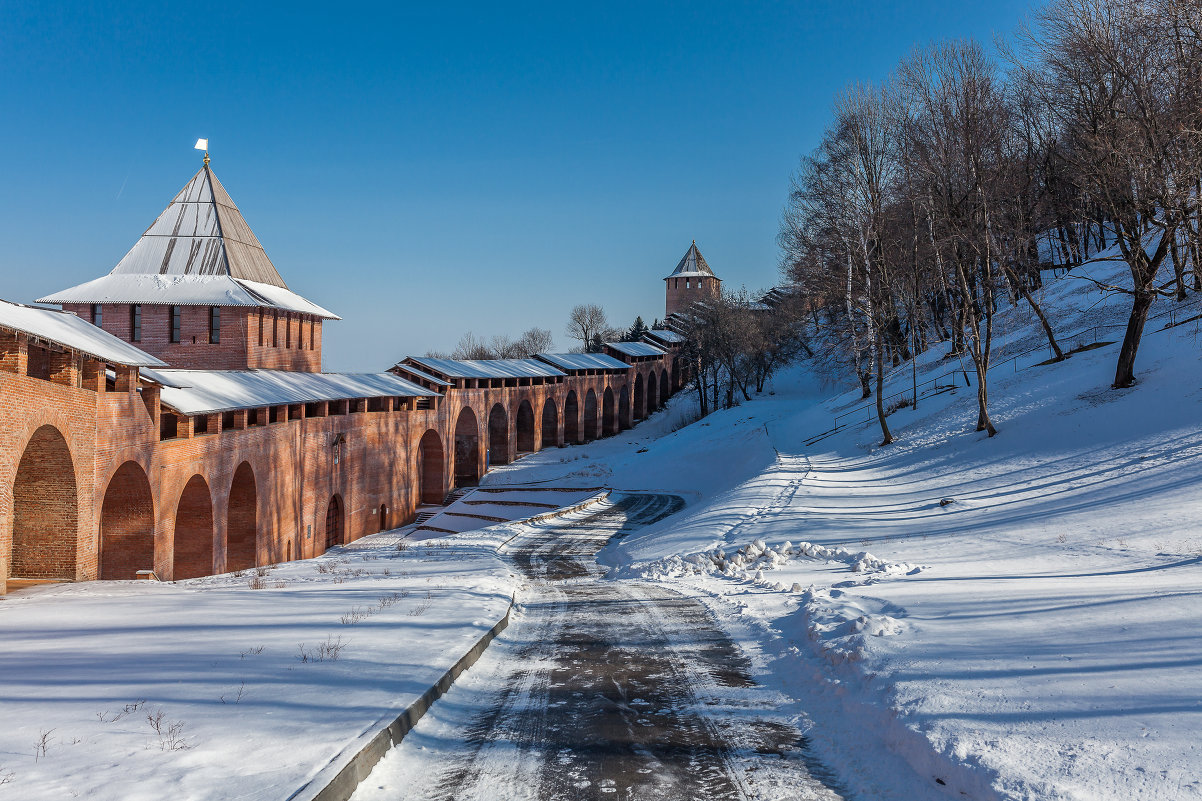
(203,144)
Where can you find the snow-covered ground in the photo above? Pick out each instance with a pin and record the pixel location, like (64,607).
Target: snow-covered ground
(232,686)
(958,616)
(1036,635)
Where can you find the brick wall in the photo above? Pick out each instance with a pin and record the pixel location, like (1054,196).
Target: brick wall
(250,494)
(684,292)
(295,344)
(47,453)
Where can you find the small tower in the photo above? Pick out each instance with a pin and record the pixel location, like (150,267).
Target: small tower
(691,281)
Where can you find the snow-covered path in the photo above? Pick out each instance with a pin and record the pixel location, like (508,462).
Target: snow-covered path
(602,689)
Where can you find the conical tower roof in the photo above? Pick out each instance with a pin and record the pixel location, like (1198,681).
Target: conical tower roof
(198,252)
(201,232)
(692,265)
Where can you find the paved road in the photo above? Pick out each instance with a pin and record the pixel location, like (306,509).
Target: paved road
(601,690)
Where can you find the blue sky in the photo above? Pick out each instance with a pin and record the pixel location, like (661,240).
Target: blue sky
(430,169)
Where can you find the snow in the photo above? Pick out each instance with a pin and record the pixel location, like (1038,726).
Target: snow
(487,368)
(70,331)
(1037,637)
(635,348)
(87,663)
(953,615)
(185,290)
(583,361)
(485,507)
(208,391)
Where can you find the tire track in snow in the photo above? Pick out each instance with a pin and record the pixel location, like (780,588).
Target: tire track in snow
(609,690)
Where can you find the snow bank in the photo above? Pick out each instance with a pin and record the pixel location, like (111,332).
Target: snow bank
(241,685)
(1048,644)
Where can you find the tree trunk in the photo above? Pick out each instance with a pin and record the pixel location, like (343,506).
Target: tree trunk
(1124,375)
(886,437)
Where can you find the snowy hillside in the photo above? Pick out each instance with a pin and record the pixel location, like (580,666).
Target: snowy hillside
(1015,617)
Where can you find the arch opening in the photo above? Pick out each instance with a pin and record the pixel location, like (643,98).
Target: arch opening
(624,408)
(127,524)
(609,417)
(45,509)
(590,416)
(498,435)
(525,427)
(665,388)
(429,469)
(640,409)
(550,427)
(193,543)
(467,449)
(242,521)
(571,419)
(335,524)
(652,393)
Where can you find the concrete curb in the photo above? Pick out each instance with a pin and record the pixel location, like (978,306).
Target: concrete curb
(348,773)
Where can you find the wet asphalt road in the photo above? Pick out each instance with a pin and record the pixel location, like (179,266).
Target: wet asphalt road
(601,690)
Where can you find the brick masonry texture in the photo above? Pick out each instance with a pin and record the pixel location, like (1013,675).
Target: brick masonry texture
(88,490)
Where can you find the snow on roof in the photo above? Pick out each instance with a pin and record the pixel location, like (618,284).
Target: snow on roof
(198,252)
(665,335)
(209,391)
(583,361)
(692,265)
(635,348)
(422,374)
(487,368)
(186,290)
(71,332)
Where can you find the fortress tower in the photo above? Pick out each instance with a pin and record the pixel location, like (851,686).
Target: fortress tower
(198,291)
(691,281)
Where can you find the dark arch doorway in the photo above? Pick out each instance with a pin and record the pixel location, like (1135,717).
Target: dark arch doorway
(127,524)
(242,521)
(609,417)
(193,545)
(624,408)
(571,419)
(335,525)
(640,410)
(665,388)
(383,517)
(45,509)
(590,416)
(429,469)
(498,435)
(550,430)
(525,426)
(652,395)
(467,449)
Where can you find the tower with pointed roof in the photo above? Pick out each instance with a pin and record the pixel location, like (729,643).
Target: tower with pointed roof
(691,281)
(198,291)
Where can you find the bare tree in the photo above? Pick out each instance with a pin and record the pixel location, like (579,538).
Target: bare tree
(471,347)
(536,340)
(1122,79)
(585,323)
